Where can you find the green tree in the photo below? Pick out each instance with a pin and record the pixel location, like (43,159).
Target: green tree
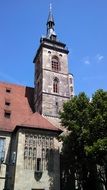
(85,145)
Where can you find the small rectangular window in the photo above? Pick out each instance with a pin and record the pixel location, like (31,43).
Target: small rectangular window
(56,103)
(7,114)
(7,103)
(57,108)
(8,90)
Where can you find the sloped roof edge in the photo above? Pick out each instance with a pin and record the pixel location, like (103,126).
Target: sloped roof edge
(37,121)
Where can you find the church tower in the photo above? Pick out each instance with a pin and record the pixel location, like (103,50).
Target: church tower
(53,83)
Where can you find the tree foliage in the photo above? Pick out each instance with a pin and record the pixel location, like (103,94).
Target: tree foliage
(84,153)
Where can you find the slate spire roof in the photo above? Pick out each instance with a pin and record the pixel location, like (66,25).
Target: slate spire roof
(50,16)
(50,24)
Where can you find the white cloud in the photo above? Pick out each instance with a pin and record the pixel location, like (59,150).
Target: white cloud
(99,58)
(86,60)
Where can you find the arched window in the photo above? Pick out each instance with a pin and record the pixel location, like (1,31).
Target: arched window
(55,63)
(56,85)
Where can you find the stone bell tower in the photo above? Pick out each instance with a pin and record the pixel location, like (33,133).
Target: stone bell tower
(53,83)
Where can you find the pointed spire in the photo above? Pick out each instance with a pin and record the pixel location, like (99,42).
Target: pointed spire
(50,24)
(50,17)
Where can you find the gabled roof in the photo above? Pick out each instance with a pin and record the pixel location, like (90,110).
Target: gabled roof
(37,121)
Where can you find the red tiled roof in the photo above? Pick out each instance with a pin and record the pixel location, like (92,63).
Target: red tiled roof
(38,121)
(21,108)
(21,104)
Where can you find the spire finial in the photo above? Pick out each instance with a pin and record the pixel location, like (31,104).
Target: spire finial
(50,7)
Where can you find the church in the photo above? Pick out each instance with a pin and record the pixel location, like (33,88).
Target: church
(29,119)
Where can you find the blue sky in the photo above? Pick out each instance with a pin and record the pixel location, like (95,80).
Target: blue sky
(81,24)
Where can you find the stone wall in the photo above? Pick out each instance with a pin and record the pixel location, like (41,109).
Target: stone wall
(27,175)
(53,102)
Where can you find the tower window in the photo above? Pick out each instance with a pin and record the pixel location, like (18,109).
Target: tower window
(49,52)
(56,85)
(55,64)
(56,103)
(57,106)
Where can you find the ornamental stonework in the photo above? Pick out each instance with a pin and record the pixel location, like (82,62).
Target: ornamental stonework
(38,152)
